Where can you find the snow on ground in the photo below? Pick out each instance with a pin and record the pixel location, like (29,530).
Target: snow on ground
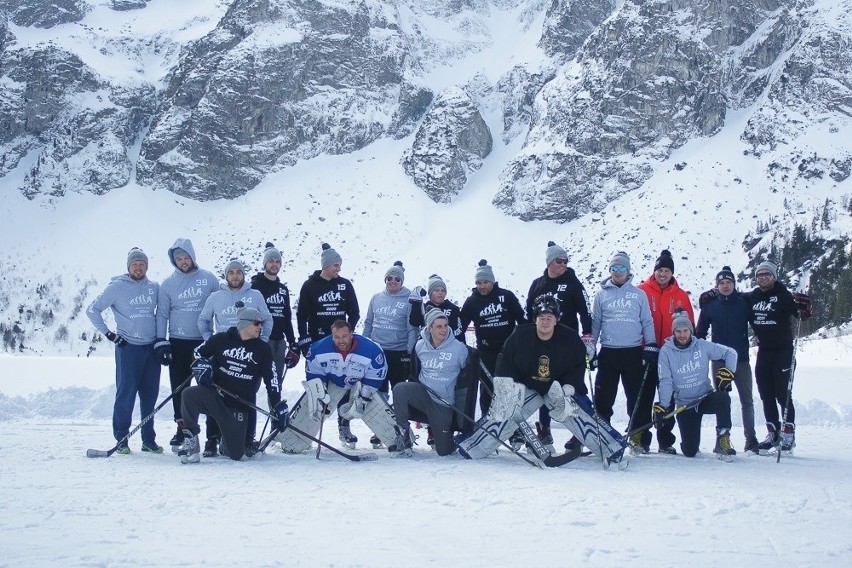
(62,508)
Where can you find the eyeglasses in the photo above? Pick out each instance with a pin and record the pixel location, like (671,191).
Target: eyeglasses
(393,279)
(478,282)
(560,260)
(618,268)
(764,275)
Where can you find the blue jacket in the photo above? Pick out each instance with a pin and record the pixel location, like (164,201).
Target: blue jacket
(727,317)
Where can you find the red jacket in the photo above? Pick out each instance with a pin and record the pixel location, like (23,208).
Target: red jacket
(663,304)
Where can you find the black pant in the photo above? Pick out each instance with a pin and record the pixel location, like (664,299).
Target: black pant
(625,364)
(486,387)
(772,372)
(202,400)
(399,368)
(180,367)
(689,421)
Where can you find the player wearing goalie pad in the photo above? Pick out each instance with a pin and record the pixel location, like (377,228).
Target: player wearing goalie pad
(543,364)
(343,363)
(446,371)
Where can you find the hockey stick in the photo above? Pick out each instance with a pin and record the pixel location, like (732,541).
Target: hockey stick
(638,400)
(674,412)
(604,461)
(350,457)
(789,390)
(322,421)
(90,453)
(280,388)
(268,440)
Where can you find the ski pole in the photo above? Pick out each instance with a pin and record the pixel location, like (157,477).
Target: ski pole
(90,453)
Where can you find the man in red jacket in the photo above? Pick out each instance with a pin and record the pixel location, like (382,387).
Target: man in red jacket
(665,297)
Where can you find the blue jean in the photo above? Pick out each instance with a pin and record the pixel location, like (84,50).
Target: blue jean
(137,372)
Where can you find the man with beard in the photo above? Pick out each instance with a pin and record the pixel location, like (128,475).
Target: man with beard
(182,296)
(133,300)
(277,297)
(220,311)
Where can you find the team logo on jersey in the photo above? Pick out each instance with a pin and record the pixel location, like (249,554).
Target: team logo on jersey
(433,364)
(491,309)
(190,293)
(688,367)
(239,354)
(765,305)
(386,311)
(330,297)
(141,300)
(543,368)
(278,298)
(619,304)
(229,311)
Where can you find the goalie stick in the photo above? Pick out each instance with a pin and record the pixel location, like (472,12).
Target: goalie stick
(90,453)
(350,457)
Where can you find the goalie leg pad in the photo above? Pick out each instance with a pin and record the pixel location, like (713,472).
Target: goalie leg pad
(379,418)
(304,420)
(508,397)
(480,444)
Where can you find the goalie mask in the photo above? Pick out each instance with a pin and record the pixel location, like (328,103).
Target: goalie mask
(545,304)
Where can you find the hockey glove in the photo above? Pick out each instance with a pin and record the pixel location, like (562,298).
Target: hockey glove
(163,350)
(417,294)
(590,345)
(316,397)
(202,370)
(280,416)
(117,339)
(724,377)
(291,359)
(650,354)
(707,297)
(304,345)
(803,304)
(660,412)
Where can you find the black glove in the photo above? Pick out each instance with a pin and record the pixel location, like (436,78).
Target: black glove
(163,350)
(724,377)
(707,296)
(117,339)
(417,295)
(803,304)
(660,412)
(291,359)
(202,370)
(280,416)
(650,354)
(304,345)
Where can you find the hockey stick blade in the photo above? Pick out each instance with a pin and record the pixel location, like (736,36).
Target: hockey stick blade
(541,452)
(562,459)
(90,453)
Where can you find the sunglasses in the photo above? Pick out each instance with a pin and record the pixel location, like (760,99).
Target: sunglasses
(257,323)
(618,268)
(560,260)
(393,279)
(478,282)
(764,275)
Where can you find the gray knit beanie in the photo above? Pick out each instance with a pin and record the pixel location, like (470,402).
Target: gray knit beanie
(432,315)
(270,253)
(620,259)
(246,316)
(435,282)
(769,266)
(329,256)
(680,319)
(396,270)
(553,252)
(484,272)
(234,265)
(136,254)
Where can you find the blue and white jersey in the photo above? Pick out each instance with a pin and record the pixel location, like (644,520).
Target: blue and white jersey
(365,362)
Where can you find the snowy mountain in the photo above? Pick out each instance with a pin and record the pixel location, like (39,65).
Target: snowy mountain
(433,132)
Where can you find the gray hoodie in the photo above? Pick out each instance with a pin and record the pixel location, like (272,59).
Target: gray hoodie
(684,371)
(387,321)
(133,303)
(440,366)
(182,297)
(621,316)
(220,307)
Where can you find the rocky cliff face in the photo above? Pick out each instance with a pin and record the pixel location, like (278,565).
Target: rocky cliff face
(617,88)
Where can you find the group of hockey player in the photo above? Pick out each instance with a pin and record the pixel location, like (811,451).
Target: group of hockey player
(411,361)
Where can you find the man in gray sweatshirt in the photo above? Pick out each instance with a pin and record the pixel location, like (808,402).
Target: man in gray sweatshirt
(182,296)
(133,301)
(622,322)
(683,368)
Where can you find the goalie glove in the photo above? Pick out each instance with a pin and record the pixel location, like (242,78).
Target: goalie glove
(359,398)
(560,402)
(317,397)
(724,377)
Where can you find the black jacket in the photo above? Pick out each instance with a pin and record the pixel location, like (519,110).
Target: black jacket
(771,313)
(452,311)
(277,297)
(494,317)
(536,363)
(573,300)
(321,302)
